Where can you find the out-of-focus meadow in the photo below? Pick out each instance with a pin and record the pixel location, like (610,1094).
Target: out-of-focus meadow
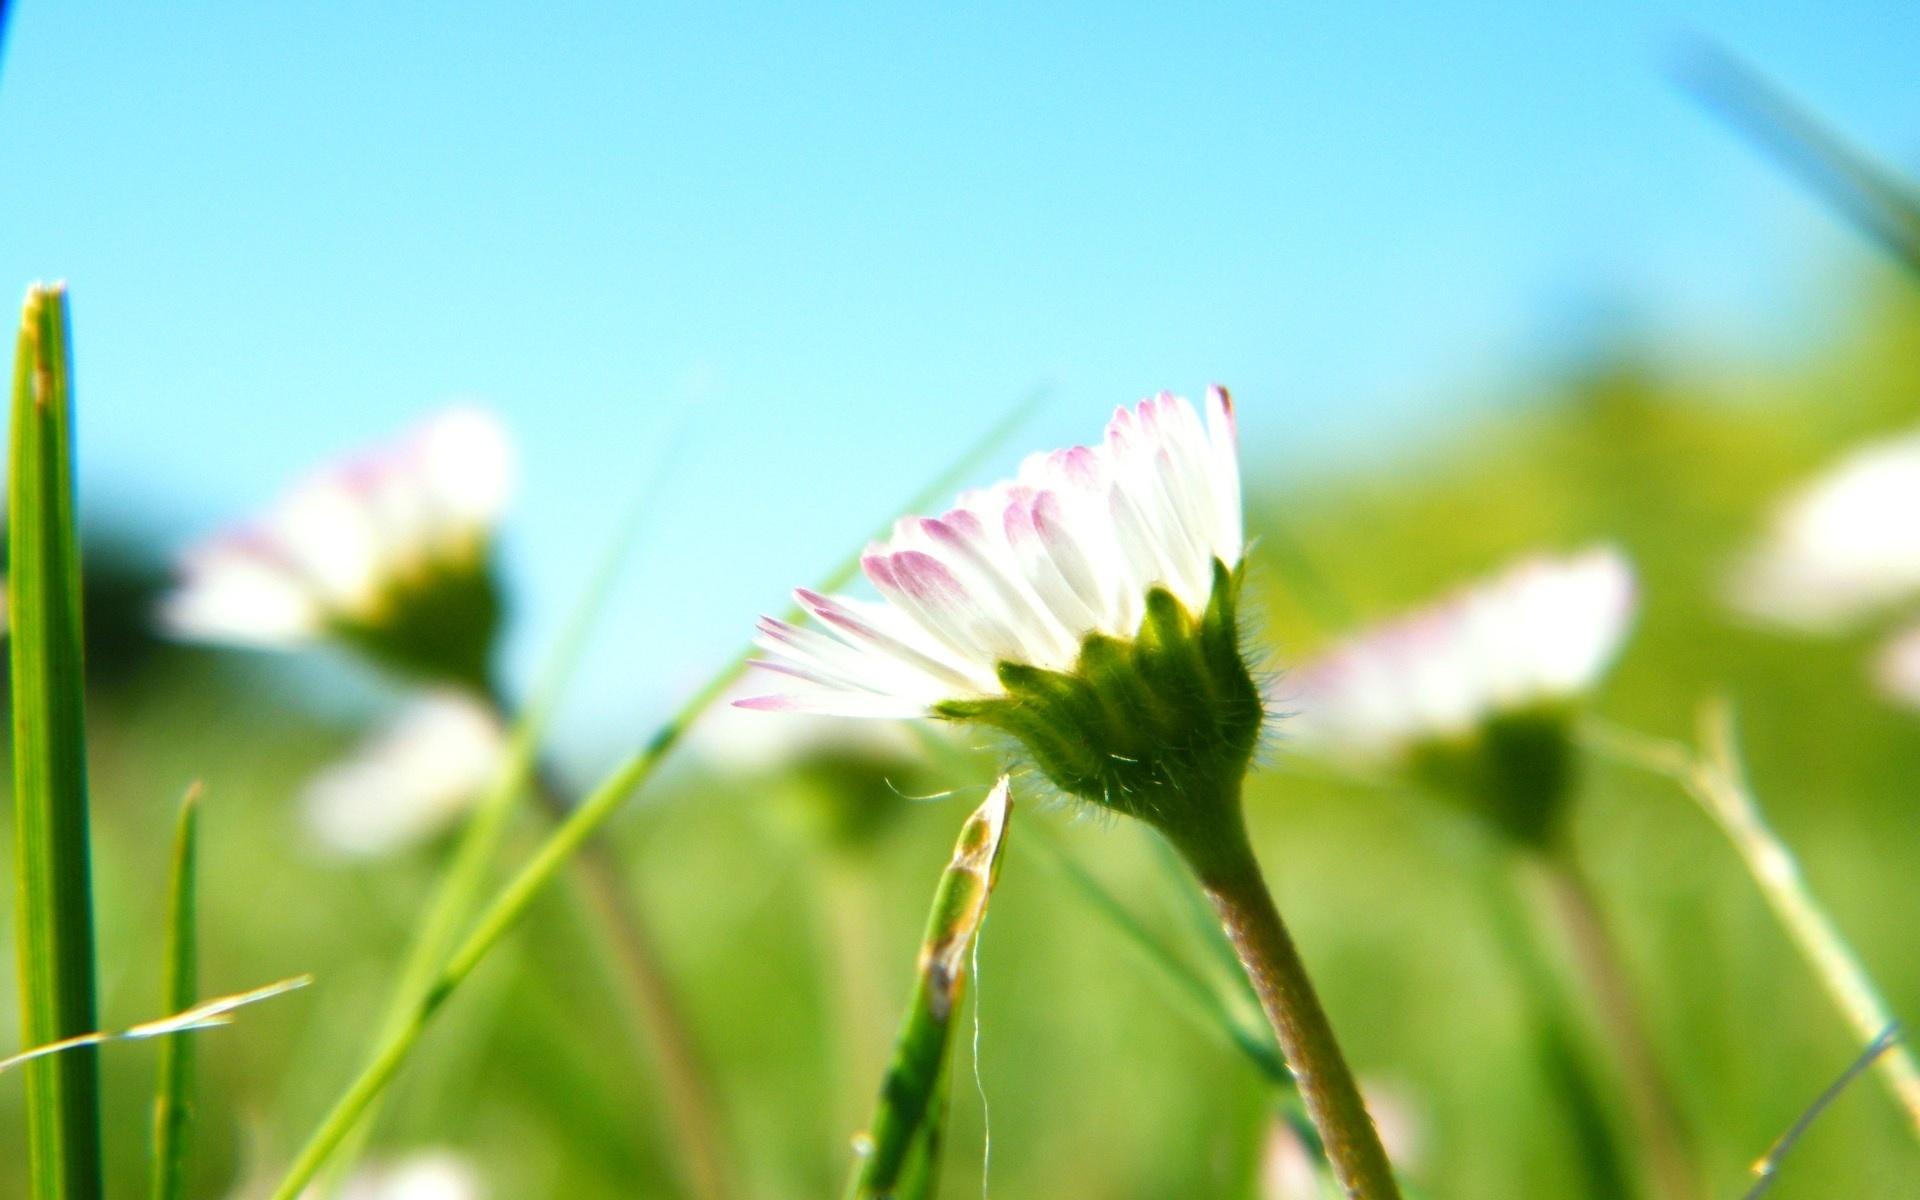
(788,897)
(784,866)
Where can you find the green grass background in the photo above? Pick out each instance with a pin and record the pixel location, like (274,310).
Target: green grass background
(792,937)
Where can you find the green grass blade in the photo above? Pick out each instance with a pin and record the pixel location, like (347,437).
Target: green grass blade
(520,892)
(1210,1006)
(173,1101)
(463,881)
(908,1111)
(52,873)
(1878,200)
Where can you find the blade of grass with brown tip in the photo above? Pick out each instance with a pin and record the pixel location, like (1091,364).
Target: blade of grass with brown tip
(173,1101)
(53,894)
(906,1116)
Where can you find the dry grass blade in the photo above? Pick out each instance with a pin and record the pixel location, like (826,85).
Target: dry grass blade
(905,1123)
(52,864)
(212,1014)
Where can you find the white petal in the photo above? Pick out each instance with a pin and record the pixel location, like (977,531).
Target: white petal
(1024,571)
(408,781)
(236,590)
(467,467)
(1541,632)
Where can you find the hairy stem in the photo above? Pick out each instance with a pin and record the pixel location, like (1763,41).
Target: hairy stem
(1230,876)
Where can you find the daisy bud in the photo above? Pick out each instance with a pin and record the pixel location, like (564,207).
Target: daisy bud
(1086,607)
(1475,694)
(391,552)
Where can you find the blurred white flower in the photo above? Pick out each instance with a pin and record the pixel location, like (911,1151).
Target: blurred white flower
(425,1175)
(1024,571)
(1288,1170)
(1898,668)
(437,1175)
(410,780)
(390,550)
(1842,547)
(1537,635)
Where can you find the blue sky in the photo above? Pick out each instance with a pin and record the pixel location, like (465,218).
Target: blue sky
(831,243)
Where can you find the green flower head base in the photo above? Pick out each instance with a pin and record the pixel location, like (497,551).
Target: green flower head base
(1085,607)
(1476,696)
(1159,727)
(390,552)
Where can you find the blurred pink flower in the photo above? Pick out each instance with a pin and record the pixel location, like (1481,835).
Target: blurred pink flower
(391,550)
(1535,636)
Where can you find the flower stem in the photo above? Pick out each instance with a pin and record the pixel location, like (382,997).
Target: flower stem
(683,1071)
(1655,1114)
(1716,780)
(1230,875)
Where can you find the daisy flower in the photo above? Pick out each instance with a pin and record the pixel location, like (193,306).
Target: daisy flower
(1086,606)
(1474,690)
(410,780)
(1842,547)
(390,551)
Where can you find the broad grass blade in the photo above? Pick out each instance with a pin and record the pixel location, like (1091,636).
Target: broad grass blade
(906,1119)
(52,873)
(173,1101)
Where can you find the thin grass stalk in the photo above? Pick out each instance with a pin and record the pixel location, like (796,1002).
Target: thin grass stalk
(465,877)
(512,902)
(1191,993)
(1715,779)
(173,1099)
(692,1107)
(1766,1169)
(53,895)
(906,1117)
(1601,1161)
(1656,1116)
